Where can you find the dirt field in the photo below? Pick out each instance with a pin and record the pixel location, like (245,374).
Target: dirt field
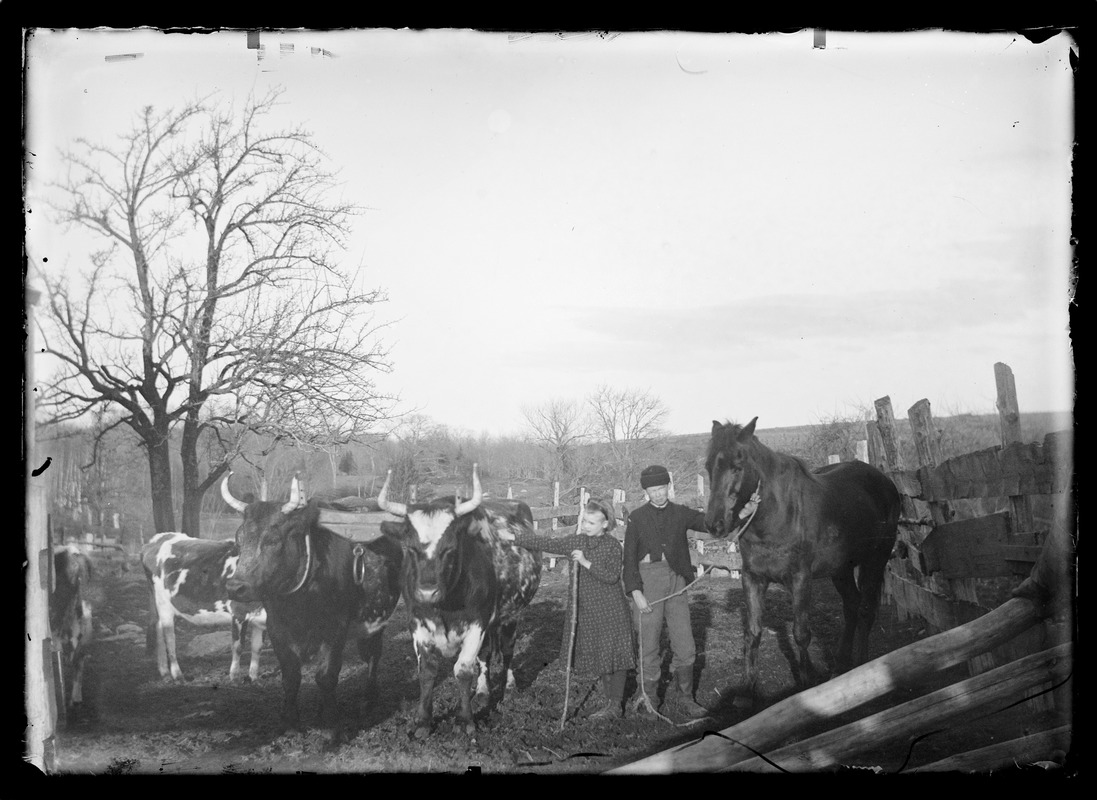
(140,724)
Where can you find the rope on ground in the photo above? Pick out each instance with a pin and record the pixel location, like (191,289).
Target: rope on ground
(644,700)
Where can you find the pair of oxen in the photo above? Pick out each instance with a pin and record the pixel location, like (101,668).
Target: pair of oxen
(463,584)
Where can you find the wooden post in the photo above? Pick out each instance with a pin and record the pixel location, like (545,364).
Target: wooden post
(38,681)
(1009,415)
(1010,421)
(700,488)
(510,492)
(885,426)
(875,446)
(929,454)
(1020,508)
(555,500)
(862,450)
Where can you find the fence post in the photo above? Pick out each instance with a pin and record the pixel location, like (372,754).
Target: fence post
(1020,508)
(700,488)
(889,439)
(1009,418)
(862,450)
(928,453)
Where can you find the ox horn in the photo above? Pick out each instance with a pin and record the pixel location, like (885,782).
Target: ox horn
(477,495)
(239,505)
(399,509)
(296,500)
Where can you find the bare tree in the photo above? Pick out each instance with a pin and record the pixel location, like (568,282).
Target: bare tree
(216,303)
(628,421)
(558,427)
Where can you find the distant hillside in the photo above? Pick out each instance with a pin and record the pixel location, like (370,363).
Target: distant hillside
(962,433)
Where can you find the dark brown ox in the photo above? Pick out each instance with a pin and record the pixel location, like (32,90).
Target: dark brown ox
(465,587)
(318,588)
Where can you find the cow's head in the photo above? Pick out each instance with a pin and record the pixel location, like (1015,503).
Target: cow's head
(274,544)
(447,544)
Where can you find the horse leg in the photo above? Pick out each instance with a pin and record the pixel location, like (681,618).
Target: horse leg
(871,584)
(846,585)
(801,627)
(755,593)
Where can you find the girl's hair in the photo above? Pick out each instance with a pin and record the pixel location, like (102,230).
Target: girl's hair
(605,509)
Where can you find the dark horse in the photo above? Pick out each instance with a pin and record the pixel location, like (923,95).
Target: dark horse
(794,525)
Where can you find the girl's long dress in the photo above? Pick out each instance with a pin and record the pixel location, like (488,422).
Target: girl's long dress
(603,636)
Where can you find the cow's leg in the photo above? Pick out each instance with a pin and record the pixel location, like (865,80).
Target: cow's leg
(83,635)
(290,664)
(166,660)
(329,662)
(801,627)
(508,635)
(239,631)
(755,595)
(370,646)
(846,585)
(465,670)
(256,645)
(428,658)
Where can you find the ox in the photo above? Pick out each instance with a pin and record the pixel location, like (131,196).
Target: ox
(70,621)
(318,588)
(465,586)
(187,579)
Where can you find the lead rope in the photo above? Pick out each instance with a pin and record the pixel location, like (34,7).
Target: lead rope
(644,699)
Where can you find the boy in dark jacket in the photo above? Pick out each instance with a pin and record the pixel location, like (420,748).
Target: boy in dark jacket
(656,565)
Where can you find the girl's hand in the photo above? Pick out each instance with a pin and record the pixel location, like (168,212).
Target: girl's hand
(577,557)
(641,601)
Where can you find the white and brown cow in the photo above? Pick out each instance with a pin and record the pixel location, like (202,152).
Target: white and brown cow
(465,587)
(187,580)
(71,621)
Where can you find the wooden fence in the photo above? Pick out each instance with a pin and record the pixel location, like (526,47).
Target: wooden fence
(972,526)
(994,523)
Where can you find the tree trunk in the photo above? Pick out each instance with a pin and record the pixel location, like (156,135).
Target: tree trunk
(192,497)
(159,453)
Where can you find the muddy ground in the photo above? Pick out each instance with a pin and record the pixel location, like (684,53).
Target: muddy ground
(138,723)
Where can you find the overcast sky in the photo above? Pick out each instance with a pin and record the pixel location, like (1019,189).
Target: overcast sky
(741,225)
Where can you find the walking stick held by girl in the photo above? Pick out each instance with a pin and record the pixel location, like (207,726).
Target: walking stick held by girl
(599,632)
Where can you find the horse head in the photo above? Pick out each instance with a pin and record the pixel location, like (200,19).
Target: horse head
(727,463)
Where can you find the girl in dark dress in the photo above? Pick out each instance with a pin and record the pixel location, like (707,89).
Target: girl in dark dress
(603,636)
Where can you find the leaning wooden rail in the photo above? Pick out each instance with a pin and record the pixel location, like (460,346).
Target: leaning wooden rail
(1048,587)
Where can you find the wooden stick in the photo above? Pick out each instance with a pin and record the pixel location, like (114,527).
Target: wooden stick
(574,596)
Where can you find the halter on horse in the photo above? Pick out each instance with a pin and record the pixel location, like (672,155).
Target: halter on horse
(839,522)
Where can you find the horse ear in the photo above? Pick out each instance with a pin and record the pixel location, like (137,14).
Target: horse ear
(748,431)
(715,426)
